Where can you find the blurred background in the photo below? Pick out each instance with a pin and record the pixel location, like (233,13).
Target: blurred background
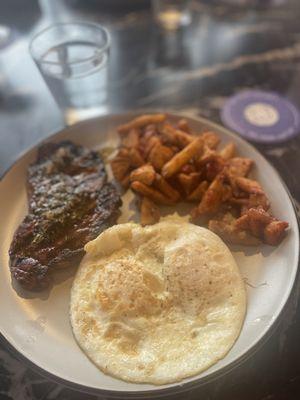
(226,46)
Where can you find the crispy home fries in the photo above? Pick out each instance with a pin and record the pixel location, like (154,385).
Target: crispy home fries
(166,163)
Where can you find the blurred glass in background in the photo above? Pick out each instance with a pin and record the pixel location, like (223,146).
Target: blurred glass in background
(172,14)
(72,58)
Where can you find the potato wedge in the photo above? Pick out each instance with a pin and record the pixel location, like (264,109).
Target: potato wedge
(132,139)
(208,155)
(151,193)
(164,187)
(212,198)
(150,128)
(228,151)
(175,136)
(249,185)
(142,121)
(145,174)
(120,165)
(213,167)
(238,166)
(257,200)
(188,182)
(150,144)
(168,136)
(211,139)
(183,125)
(198,193)
(159,156)
(188,169)
(275,232)
(136,159)
(182,158)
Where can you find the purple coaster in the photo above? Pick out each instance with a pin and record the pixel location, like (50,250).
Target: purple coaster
(261,116)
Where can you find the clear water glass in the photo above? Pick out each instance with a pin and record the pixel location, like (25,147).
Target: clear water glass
(73,60)
(172,14)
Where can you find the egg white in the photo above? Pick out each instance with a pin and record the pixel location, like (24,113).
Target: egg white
(157,304)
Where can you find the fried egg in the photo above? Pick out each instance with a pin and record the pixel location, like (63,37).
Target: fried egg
(157,304)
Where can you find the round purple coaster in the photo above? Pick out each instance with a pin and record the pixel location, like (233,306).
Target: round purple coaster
(261,116)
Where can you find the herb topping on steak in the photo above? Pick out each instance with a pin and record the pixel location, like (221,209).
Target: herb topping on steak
(70,203)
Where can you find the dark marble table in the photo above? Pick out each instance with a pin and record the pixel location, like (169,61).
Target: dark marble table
(193,71)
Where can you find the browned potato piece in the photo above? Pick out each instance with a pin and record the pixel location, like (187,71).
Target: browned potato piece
(142,121)
(188,169)
(211,199)
(183,138)
(175,149)
(211,163)
(144,174)
(183,125)
(136,159)
(150,213)
(198,193)
(254,220)
(262,225)
(208,155)
(213,168)
(168,136)
(227,193)
(159,156)
(150,144)
(123,152)
(255,201)
(176,136)
(274,232)
(148,138)
(239,166)
(120,165)
(131,139)
(150,128)
(188,182)
(228,151)
(210,139)
(239,201)
(148,134)
(164,187)
(248,185)
(151,193)
(183,157)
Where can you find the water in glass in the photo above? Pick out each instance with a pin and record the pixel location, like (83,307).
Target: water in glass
(76,74)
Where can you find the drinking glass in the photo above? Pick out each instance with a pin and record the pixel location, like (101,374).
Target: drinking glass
(172,14)
(72,58)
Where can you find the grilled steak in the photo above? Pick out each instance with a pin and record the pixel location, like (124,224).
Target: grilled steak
(70,203)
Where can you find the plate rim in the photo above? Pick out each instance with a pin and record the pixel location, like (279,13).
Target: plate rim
(179,387)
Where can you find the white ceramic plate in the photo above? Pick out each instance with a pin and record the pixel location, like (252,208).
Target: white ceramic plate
(38,327)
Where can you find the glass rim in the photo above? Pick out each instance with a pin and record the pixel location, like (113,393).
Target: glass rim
(62,24)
